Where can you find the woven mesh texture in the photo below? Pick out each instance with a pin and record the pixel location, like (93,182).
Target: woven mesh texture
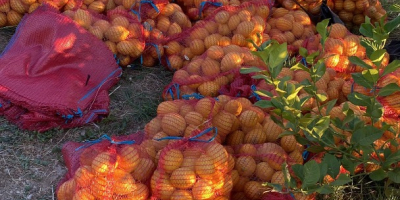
(107,168)
(55,74)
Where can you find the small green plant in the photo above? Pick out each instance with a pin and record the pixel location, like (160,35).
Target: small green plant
(317,129)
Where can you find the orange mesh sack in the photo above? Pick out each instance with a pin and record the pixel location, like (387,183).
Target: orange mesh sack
(195,167)
(258,164)
(107,168)
(227,25)
(121,32)
(289,26)
(206,74)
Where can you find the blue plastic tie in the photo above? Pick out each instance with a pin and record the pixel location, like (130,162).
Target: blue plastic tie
(292,195)
(254,94)
(238,94)
(78,113)
(305,153)
(116,59)
(194,95)
(137,13)
(194,138)
(104,137)
(176,86)
(202,4)
(157,50)
(1,105)
(169,64)
(303,60)
(147,26)
(352,88)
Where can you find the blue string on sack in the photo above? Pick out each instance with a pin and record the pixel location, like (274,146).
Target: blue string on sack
(305,153)
(104,137)
(202,4)
(352,87)
(137,13)
(194,138)
(194,95)
(157,51)
(171,92)
(304,62)
(254,94)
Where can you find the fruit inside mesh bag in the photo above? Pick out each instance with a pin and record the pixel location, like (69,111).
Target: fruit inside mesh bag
(195,167)
(107,168)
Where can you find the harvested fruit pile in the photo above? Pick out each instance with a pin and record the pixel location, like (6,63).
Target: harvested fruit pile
(208,140)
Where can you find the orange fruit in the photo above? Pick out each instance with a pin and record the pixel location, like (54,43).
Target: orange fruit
(129,158)
(248,118)
(104,162)
(144,170)
(183,178)
(223,121)
(181,195)
(204,166)
(173,124)
(235,138)
(83,194)
(203,190)
(255,136)
(254,189)
(337,31)
(83,176)
(66,190)
(264,172)
(171,160)
(245,165)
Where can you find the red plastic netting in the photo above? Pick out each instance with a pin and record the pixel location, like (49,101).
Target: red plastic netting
(108,168)
(120,31)
(193,168)
(261,163)
(292,27)
(55,74)
(227,25)
(207,74)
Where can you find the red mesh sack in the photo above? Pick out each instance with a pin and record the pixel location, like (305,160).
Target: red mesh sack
(227,25)
(54,81)
(195,167)
(206,74)
(145,9)
(171,21)
(121,32)
(292,27)
(257,164)
(107,168)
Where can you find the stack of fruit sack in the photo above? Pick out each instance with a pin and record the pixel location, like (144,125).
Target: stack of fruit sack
(351,12)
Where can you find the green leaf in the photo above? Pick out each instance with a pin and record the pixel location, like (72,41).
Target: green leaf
(391,67)
(360,79)
(322,125)
(277,187)
(299,66)
(325,189)
(392,158)
(377,57)
(264,104)
(349,165)
(368,46)
(311,173)
(278,55)
(320,69)
(264,93)
(322,28)
(301,140)
(328,138)
(249,70)
(315,149)
(394,175)
(389,89)
(310,58)
(395,8)
(286,133)
(366,135)
(261,76)
(293,94)
(323,171)
(303,52)
(359,99)
(341,180)
(392,24)
(371,75)
(264,54)
(330,105)
(321,97)
(357,61)
(333,164)
(378,175)
(367,30)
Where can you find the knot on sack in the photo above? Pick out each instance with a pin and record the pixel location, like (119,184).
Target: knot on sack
(254,94)
(194,138)
(202,4)
(104,137)
(194,95)
(69,117)
(116,59)
(176,87)
(137,13)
